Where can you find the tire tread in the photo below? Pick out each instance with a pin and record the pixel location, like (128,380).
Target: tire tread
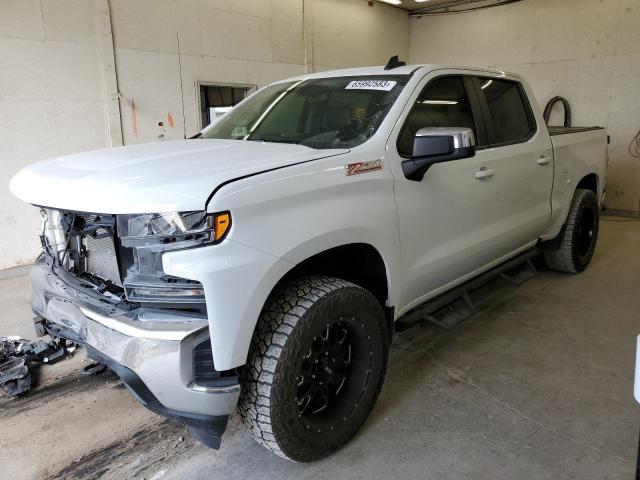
(286,307)
(560,256)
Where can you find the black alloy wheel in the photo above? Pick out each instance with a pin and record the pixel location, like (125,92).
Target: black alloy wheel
(315,369)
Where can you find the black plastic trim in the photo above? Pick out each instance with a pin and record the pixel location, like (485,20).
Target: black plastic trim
(417,313)
(479,116)
(203,369)
(394,62)
(555,131)
(415,168)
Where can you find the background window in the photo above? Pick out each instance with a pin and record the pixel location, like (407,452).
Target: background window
(216,100)
(443,103)
(507,109)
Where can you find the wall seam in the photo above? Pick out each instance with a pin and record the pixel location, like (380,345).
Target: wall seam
(108,73)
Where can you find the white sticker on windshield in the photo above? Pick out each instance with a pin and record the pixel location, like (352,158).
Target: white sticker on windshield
(385,85)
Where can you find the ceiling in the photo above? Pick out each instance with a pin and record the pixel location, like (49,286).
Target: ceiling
(446,6)
(413,5)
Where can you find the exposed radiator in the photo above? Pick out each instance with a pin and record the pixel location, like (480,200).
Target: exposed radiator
(101,256)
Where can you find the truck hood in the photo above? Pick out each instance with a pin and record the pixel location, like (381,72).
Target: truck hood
(154,177)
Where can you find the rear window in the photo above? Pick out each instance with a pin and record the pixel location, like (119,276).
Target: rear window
(508,109)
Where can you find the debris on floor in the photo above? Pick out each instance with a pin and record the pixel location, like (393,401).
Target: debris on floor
(94,369)
(16,356)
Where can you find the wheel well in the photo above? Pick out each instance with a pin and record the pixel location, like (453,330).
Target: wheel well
(359,263)
(590,182)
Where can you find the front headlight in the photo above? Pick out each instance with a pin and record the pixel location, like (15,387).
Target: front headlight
(150,235)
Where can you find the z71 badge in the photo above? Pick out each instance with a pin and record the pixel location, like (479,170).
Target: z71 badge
(363,167)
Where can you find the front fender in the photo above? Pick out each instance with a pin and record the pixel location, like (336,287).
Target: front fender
(237,280)
(281,218)
(300,211)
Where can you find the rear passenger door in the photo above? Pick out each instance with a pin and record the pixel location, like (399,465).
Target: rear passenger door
(523,162)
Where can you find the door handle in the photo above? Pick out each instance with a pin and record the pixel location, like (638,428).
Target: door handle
(485,173)
(543,160)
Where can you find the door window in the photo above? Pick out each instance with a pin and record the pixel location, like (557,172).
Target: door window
(508,110)
(443,103)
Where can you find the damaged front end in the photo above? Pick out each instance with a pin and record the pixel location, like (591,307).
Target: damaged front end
(100,286)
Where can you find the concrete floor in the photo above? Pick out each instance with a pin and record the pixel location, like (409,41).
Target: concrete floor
(539,384)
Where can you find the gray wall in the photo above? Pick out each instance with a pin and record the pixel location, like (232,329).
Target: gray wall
(585,50)
(59,60)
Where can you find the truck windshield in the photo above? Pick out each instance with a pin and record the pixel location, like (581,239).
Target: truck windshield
(319,113)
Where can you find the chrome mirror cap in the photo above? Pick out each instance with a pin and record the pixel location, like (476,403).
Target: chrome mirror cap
(462,136)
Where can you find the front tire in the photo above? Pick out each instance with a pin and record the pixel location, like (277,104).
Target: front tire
(315,368)
(572,249)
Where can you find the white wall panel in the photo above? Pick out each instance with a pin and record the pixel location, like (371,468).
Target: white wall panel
(348,33)
(69,21)
(21,19)
(152,25)
(234,35)
(287,45)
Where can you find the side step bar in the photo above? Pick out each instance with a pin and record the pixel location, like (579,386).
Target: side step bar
(450,308)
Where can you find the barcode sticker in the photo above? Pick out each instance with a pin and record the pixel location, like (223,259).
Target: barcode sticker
(385,85)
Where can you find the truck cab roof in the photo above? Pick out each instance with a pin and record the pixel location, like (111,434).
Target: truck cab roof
(403,70)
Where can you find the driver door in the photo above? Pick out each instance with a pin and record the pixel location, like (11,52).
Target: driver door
(447,221)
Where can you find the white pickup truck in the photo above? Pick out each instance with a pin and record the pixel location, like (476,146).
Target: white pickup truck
(260,266)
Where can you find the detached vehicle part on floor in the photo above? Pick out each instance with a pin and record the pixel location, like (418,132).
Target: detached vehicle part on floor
(16,356)
(260,266)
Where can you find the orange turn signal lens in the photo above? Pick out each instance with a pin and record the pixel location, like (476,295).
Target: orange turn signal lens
(221,225)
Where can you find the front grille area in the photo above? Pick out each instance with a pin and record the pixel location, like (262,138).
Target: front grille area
(101,259)
(83,244)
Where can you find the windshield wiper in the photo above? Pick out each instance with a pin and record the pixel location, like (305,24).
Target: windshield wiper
(271,140)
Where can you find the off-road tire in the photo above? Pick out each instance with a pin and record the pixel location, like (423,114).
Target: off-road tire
(288,326)
(572,249)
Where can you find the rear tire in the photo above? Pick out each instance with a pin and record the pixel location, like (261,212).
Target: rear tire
(315,368)
(572,249)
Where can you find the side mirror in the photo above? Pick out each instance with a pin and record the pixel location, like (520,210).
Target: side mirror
(436,145)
